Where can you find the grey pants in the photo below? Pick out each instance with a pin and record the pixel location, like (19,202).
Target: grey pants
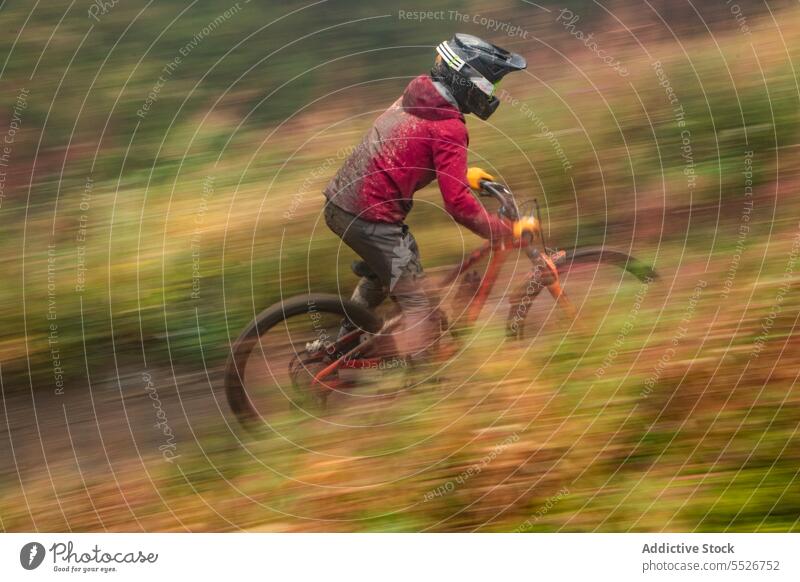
(392,255)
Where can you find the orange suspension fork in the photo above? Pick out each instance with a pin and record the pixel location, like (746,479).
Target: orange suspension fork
(556,291)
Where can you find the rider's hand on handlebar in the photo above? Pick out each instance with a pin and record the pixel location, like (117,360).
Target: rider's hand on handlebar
(526,224)
(475,175)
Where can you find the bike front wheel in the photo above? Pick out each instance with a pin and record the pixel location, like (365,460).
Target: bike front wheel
(592,283)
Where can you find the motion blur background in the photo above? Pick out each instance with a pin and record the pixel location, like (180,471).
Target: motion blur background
(162,167)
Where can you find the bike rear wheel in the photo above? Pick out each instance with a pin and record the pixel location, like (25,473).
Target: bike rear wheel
(270,364)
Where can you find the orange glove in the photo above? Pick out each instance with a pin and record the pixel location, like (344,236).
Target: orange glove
(526,224)
(475,175)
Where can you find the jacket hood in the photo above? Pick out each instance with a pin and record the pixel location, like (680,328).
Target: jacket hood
(422,99)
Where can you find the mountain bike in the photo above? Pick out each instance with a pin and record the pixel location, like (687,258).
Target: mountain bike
(304,357)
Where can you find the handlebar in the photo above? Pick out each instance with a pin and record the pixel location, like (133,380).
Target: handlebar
(498,191)
(510,209)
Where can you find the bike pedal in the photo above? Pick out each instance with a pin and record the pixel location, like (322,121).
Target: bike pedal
(313,348)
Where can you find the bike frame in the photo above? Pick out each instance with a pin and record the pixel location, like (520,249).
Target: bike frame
(498,254)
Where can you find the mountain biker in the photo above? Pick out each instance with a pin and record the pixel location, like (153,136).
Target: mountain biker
(422,136)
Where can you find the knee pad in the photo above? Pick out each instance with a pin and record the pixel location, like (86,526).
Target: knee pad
(362,269)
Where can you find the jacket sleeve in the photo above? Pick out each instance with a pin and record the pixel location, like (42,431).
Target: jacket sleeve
(450,160)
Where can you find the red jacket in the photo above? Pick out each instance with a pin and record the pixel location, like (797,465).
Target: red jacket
(422,136)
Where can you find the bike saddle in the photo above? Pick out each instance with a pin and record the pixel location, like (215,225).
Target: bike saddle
(361,269)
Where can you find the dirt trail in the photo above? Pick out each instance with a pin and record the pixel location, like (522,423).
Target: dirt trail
(130,424)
